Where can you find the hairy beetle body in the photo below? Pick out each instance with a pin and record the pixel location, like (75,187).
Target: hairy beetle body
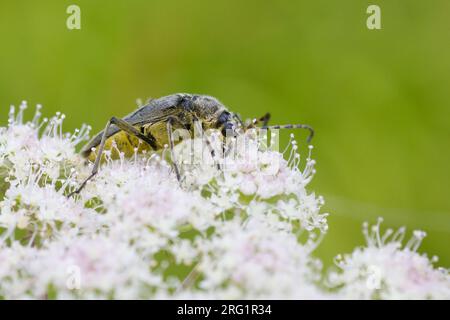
(150,120)
(151,128)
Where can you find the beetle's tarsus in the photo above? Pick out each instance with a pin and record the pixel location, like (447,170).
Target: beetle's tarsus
(170,121)
(81,187)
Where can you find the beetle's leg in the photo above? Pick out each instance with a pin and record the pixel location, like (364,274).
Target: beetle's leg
(128,128)
(238,118)
(96,163)
(264,119)
(170,121)
(124,126)
(207,141)
(294,126)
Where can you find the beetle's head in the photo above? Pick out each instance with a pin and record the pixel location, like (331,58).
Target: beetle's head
(228,124)
(212,113)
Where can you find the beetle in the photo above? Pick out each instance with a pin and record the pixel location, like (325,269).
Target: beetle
(154,123)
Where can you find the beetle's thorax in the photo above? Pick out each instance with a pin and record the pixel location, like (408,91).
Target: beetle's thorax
(206,109)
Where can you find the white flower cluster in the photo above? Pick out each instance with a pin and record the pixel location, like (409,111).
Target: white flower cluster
(386,269)
(135,232)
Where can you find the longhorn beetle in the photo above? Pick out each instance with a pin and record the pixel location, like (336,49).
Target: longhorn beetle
(154,123)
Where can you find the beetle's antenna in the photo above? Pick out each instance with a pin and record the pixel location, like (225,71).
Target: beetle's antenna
(293,126)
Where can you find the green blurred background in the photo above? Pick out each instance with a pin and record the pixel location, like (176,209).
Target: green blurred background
(378,99)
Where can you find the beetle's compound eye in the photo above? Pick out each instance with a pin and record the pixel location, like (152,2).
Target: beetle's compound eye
(223,118)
